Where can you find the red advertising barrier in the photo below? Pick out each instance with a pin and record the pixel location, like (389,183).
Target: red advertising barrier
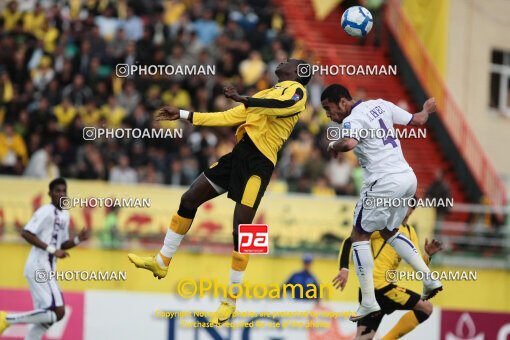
(20,300)
(461,325)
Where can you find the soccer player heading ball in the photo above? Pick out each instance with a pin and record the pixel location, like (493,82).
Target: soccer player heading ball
(266,121)
(386,175)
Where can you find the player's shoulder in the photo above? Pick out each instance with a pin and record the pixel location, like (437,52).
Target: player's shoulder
(286,84)
(371,103)
(46,209)
(384,103)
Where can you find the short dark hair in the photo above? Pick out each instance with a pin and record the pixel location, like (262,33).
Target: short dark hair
(333,93)
(306,79)
(57,181)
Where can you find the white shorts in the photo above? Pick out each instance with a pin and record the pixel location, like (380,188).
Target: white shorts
(378,206)
(45,295)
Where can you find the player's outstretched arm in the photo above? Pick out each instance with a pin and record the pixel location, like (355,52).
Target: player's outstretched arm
(36,241)
(289,103)
(421,118)
(343,145)
(82,236)
(340,280)
(232,117)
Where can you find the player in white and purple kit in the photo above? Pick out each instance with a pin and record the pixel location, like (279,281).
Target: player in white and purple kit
(387,176)
(48,233)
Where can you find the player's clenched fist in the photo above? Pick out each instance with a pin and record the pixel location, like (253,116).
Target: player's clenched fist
(167,113)
(231,93)
(430,105)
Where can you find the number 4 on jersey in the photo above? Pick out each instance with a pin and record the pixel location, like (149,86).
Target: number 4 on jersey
(388,139)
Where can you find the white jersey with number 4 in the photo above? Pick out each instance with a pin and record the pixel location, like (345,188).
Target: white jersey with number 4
(51,226)
(377,156)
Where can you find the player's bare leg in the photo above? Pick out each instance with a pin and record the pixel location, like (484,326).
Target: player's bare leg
(242,215)
(406,250)
(410,320)
(364,264)
(199,192)
(40,320)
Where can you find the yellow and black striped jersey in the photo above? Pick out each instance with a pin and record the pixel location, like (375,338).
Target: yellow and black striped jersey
(385,257)
(268,118)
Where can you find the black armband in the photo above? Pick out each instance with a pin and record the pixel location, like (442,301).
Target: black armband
(344,253)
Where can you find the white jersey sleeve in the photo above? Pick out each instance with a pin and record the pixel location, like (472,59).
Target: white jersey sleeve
(351,127)
(40,220)
(399,115)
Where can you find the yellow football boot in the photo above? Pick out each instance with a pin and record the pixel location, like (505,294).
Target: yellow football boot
(149,263)
(224,313)
(3,322)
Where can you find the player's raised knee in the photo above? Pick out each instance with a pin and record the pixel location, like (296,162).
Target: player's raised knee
(424,307)
(188,200)
(428,307)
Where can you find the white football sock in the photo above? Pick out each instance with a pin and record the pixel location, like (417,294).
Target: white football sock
(170,245)
(36,331)
(406,250)
(236,277)
(35,316)
(364,264)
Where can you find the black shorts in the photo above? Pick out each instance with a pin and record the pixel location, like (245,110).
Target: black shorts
(390,299)
(244,173)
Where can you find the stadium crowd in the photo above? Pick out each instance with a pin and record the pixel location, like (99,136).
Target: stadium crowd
(57,76)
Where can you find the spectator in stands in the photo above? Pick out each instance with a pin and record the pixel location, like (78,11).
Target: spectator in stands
(206,28)
(133,26)
(150,174)
(90,114)
(65,112)
(176,96)
(245,17)
(129,98)
(107,24)
(91,164)
(6,93)
(64,155)
(41,165)
(314,166)
(113,112)
(338,172)
(303,278)
(11,16)
(139,119)
(252,69)
(123,173)
(44,74)
(322,188)
(190,165)
(116,48)
(78,93)
(110,235)
(12,150)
